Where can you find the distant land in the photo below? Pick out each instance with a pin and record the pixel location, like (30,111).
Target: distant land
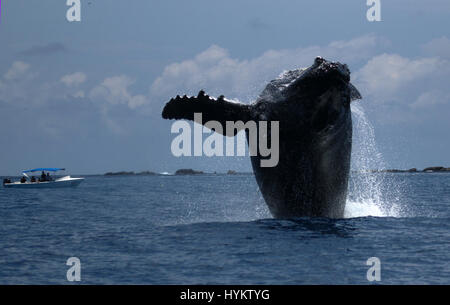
(432,169)
(180,172)
(145,173)
(190,171)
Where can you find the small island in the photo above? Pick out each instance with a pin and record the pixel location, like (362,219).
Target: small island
(180,172)
(124,173)
(188,171)
(437,169)
(432,169)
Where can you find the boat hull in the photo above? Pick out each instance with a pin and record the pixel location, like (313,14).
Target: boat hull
(59,183)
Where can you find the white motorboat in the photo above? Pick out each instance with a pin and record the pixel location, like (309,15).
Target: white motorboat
(45,181)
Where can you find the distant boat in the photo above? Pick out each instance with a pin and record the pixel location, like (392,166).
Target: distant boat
(44,181)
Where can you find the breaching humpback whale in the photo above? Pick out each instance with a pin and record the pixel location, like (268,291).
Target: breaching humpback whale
(312,106)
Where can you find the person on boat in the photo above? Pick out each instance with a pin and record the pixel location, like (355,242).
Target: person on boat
(6,181)
(48,178)
(33,179)
(23,180)
(43,177)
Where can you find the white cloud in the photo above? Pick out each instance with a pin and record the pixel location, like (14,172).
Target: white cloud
(429,99)
(114,90)
(18,70)
(79,94)
(17,84)
(398,88)
(438,47)
(217,72)
(386,74)
(21,85)
(74,79)
(401,90)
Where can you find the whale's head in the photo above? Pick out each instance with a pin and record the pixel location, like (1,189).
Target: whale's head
(320,93)
(322,68)
(317,79)
(313,81)
(314,102)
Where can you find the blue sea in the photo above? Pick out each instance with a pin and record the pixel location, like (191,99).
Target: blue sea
(216,229)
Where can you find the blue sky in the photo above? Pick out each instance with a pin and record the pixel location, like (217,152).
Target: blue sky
(88,95)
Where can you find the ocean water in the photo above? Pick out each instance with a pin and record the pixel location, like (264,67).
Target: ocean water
(216,229)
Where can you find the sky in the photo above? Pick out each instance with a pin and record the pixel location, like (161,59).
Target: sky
(88,95)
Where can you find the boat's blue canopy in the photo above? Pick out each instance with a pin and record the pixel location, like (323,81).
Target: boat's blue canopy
(44,170)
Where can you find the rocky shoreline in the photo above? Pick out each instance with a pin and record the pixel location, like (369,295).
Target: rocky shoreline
(432,169)
(190,171)
(180,172)
(123,173)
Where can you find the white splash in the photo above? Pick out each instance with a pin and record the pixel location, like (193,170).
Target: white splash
(362,209)
(370,194)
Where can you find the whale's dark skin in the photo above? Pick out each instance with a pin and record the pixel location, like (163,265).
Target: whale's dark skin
(315,137)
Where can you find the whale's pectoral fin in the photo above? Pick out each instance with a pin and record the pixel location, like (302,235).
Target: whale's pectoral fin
(211,109)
